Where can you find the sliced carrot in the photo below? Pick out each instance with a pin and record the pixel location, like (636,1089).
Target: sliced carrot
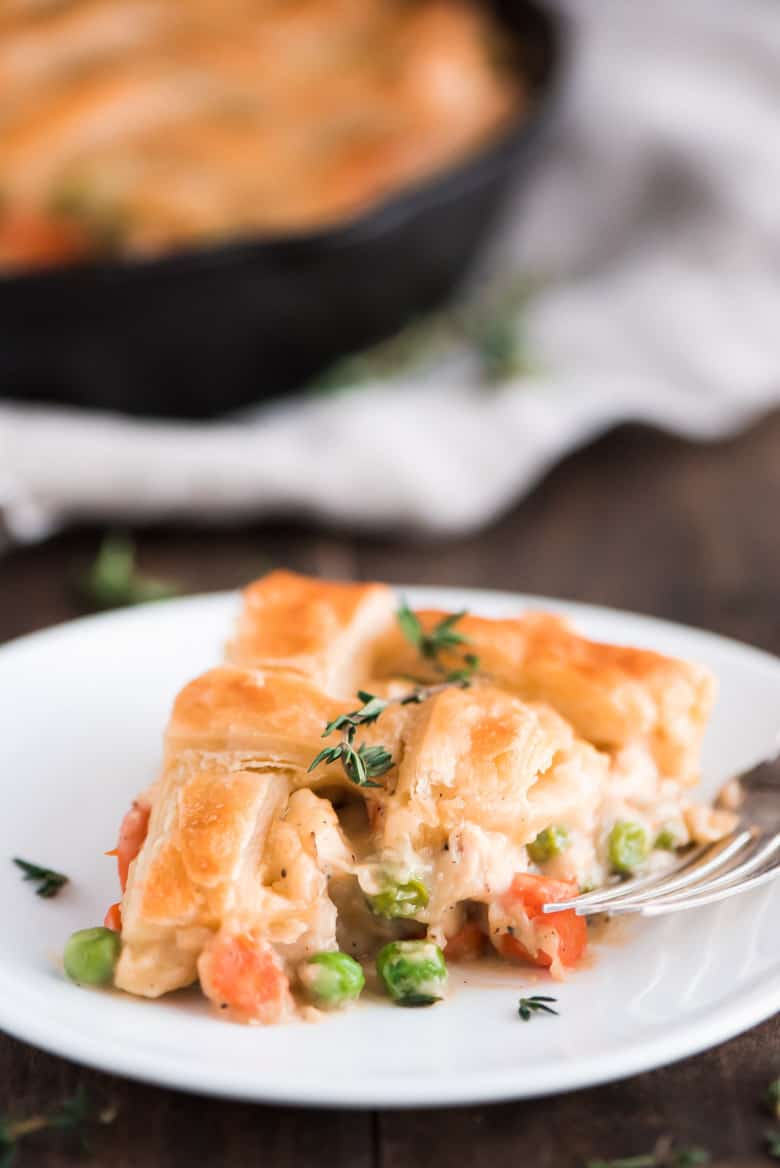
(533,892)
(467,944)
(526,895)
(132,834)
(245,974)
(113,918)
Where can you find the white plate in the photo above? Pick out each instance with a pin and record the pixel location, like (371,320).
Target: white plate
(82,709)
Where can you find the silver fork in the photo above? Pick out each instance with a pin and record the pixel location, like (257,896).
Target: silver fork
(744,859)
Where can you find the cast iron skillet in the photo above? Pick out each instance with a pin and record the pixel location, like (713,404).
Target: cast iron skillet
(200,332)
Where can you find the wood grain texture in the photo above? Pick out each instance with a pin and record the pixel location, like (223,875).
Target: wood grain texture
(638,521)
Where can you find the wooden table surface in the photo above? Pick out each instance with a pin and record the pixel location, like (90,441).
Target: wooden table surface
(639,521)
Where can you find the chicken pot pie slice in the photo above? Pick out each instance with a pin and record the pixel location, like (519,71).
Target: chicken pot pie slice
(614,697)
(309,817)
(321,630)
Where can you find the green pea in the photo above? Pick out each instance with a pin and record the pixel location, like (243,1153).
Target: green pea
(550,842)
(668,839)
(91,954)
(332,979)
(627,846)
(400,900)
(414,973)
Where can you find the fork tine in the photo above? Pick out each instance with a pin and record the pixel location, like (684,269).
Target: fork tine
(692,870)
(611,892)
(759,858)
(764,851)
(709,872)
(709,895)
(715,857)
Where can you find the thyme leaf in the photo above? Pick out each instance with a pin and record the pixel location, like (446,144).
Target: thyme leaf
(491,327)
(367,763)
(648,1161)
(369,712)
(500,345)
(73,1115)
(49,881)
(410,624)
(666,1154)
(772,1098)
(361,766)
(104,221)
(442,637)
(376,759)
(114,581)
(690,1157)
(537,1003)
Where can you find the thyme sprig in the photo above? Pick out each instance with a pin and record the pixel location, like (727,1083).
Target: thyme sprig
(772,1098)
(537,1003)
(442,637)
(49,881)
(666,1154)
(114,580)
(772,1105)
(367,763)
(492,327)
(73,1115)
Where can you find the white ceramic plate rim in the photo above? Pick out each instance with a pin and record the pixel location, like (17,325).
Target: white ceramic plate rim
(756,1002)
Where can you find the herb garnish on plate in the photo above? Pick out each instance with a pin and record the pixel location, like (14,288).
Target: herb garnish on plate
(772,1098)
(73,1115)
(491,328)
(114,581)
(773,1143)
(666,1154)
(537,1003)
(772,1102)
(49,881)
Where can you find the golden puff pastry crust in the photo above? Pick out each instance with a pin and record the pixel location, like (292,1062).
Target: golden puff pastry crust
(276,717)
(471,755)
(481,756)
(613,696)
(204,847)
(231,853)
(321,630)
(244,719)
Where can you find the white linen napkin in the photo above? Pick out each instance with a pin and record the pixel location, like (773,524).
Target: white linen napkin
(652,225)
